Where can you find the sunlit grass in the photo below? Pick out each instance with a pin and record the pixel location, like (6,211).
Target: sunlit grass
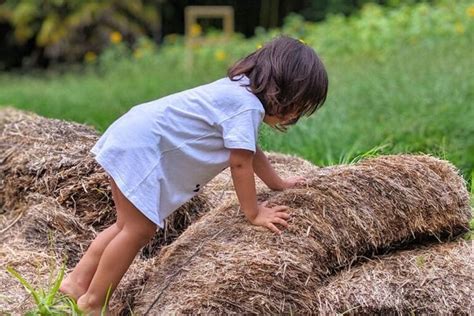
(420,99)
(48,301)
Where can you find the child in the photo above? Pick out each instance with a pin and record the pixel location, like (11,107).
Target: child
(161,153)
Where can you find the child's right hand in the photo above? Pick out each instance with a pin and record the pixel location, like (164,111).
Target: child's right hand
(269,216)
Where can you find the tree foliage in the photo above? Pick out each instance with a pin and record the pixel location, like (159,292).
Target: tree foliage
(65,30)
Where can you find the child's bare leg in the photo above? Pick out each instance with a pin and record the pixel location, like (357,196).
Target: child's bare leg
(136,231)
(77,282)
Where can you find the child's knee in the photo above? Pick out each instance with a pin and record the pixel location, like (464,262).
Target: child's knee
(149,232)
(142,234)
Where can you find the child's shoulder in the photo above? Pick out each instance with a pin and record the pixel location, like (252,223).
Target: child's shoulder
(234,91)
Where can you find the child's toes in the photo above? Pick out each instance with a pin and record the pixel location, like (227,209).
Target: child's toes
(68,288)
(88,309)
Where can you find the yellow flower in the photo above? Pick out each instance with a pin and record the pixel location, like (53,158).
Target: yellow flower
(115,37)
(259,46)
(90,57)
(459,28)
(138,53)
(220,55)
(171,38)
(195,30)
(470,11)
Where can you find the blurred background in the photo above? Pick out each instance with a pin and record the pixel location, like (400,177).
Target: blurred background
(401,72)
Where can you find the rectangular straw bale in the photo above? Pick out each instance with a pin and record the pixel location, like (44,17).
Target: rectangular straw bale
(51,157)
(431,279)
(222,264)
(45,167)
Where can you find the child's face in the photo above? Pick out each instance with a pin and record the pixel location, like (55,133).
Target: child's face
(275,120)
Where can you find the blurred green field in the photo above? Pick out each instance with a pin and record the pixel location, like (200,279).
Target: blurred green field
(405,85)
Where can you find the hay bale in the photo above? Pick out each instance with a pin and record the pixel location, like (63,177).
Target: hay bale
(430,280)
(220,190)
(33,261)
(222,264)
(51,158)
(53,192)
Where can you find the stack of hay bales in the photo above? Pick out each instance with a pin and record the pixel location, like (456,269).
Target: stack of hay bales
(49,184)
(429,280)
(221,264)
(54,196)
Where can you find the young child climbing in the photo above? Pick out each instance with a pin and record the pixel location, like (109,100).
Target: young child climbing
(161,153)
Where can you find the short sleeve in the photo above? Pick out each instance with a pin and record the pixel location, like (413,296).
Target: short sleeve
(241,130)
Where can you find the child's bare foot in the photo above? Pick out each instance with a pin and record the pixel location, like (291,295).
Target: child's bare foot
(89,306)
(71,289)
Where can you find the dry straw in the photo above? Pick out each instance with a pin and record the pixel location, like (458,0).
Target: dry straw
(53,196)
(343,213)
(51,158)
(53,193)
(38,243)
(430,280)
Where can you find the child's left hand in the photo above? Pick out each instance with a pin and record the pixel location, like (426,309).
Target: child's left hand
(291,182)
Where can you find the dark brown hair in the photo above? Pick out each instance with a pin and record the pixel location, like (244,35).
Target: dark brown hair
(286,75)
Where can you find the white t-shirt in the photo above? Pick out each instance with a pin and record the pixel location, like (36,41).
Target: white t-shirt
(161,153)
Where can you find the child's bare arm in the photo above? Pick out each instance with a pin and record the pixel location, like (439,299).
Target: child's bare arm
(241,166)
(265,171)
(240,162)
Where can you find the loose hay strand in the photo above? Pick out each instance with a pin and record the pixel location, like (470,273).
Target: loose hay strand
(171,277)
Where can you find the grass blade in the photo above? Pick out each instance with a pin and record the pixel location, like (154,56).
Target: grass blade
(55,288)
(107,297)
(27,285)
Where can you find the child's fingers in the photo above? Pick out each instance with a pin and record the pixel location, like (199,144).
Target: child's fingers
(280,208)
(283,215)
(281,221)
(273,228)
(300,180)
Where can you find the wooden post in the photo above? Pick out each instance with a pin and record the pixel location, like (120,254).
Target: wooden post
(193,13)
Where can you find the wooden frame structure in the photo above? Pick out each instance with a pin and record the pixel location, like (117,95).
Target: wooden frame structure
(193,13)
(191,16)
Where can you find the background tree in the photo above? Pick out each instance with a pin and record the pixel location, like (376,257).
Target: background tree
(43,31)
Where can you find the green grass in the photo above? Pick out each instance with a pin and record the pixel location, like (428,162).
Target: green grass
(48,301)
(421,99)
(418,99)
